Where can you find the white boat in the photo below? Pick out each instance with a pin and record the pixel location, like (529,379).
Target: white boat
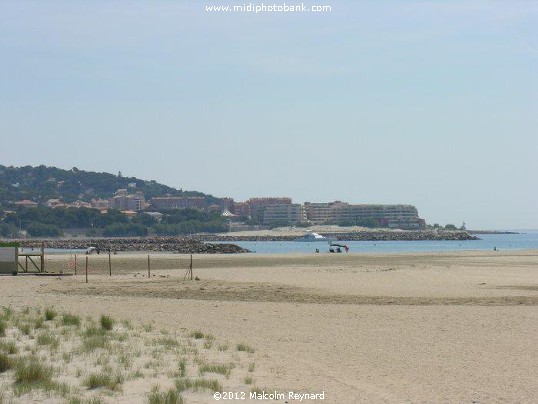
(312,237)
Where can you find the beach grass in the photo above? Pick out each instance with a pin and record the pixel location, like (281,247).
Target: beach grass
(245,348)
(198,384)
(220,368)
(80,360)
(107,323)
(169,397)
(50,314)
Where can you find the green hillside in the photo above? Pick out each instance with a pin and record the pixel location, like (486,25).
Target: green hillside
(42,183)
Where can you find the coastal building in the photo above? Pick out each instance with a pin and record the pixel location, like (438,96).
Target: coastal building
(99,203)
(54,203)
(228,204)
(286,214)
(257,205)
(178,202)
(79,204)
(390,216)
(321,213)
(122,200)
(241,209)
(25,203)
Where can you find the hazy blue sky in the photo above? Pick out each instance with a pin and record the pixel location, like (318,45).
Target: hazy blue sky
(431,103)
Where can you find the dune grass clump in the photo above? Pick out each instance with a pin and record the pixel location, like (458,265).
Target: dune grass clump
(8,347)
(197,334)
(93,331)
(7,313)
(183,367)
(94,338)
(31,374)
(94,342)
(2,328)
(93,400)
(208,344)
(107,323)
(50,314)
(46,338)
(148,327)
(169,397)
(216,368)
(167,342)
(38,323)
(103,379)
(198,384)
(30,370)
(244,348)
(71,319)
(6,363)
(25,328)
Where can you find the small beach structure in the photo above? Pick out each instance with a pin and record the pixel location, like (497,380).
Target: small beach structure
(9,258)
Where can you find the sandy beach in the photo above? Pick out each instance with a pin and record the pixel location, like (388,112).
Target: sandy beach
(447,327)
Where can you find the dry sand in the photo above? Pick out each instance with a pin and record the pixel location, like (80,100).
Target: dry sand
(451,327)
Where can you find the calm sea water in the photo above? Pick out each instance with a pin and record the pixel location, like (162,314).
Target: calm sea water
(527,239)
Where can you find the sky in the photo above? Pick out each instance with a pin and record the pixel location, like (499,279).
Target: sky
(427,103)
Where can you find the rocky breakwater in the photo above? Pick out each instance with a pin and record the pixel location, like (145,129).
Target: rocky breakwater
(180,245)
(410,235)
(367,235)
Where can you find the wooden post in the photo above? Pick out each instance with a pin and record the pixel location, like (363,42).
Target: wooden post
(43,257)
(190,267)
(109,264)
(75,264)
(16,260)
(149,270)
(86,269)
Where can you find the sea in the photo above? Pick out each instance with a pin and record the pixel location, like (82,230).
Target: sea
(523,240)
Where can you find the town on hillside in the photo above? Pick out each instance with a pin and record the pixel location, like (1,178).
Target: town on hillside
(49,202)
(266,211)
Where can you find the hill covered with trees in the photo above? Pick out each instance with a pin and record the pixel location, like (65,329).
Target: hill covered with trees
(42,183)
(39,184)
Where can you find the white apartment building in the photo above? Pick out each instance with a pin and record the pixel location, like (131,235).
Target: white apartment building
(290,214)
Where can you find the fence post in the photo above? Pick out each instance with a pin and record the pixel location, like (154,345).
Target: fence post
(109,264)
(75,264)
(43,256)
(190,267)
(86,269)
(149,270)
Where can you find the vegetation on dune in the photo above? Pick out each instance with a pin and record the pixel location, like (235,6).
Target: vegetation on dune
(63,357)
